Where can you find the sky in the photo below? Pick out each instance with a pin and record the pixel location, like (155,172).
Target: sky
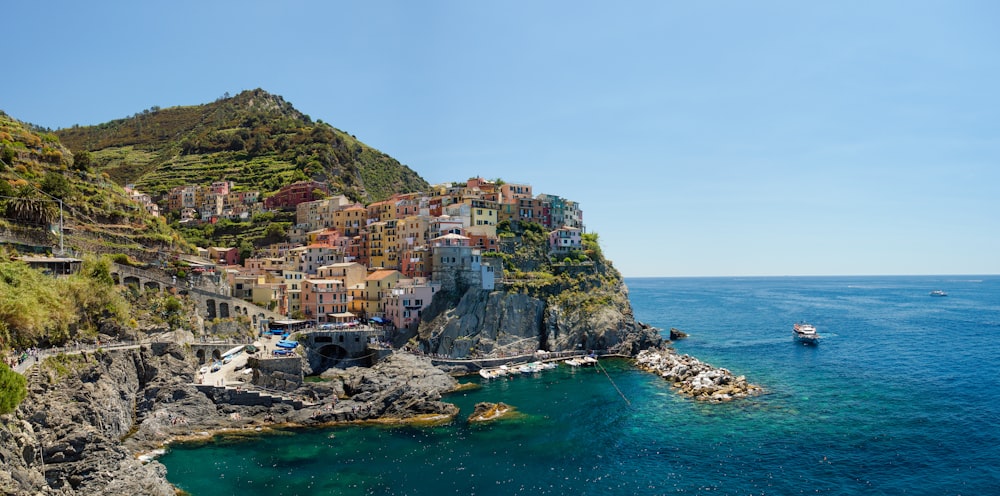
(723,138)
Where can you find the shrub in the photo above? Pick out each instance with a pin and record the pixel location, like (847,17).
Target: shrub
(13,389)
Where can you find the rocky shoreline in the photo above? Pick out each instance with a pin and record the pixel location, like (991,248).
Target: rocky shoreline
(91,422)
(695,378)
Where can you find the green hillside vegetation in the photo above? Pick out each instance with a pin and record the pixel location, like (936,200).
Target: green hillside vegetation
(581,281)
(255,139)
(37,173)
(41,310)
(262,229)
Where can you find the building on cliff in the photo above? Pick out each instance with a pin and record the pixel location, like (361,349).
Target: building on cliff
(455,264)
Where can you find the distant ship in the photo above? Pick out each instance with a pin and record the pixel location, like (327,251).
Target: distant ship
(805,333)
(938,292)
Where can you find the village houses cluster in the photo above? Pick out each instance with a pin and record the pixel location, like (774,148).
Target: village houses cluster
(382,262)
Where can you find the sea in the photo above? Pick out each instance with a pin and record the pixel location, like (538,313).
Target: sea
(900,396)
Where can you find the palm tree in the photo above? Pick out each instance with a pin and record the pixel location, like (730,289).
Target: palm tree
(26,210)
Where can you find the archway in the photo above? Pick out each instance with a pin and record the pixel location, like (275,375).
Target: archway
(210,309)
(224,310)
(327,357)
(201,356)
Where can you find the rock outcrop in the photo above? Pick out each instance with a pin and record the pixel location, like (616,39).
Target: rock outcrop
(66,437)
(694,377)
(499,323)
(485,412)
(401,388)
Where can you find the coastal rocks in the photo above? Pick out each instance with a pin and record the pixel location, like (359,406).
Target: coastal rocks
(676,334)
(484,322)
(402,387)
(65,438)
(485,412)
(498,323)
(695,378)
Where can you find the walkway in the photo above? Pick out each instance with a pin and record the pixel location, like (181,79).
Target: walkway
(22,367)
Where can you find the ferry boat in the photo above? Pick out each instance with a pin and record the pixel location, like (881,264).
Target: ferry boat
(805,332)
(938,292)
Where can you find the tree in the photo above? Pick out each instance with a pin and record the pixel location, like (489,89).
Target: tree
(82,160)
(29,210)
(246,249)
(56,184)
(13,389)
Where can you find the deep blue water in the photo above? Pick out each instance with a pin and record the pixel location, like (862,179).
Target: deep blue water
(900,397)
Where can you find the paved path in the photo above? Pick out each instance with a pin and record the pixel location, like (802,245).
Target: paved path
(71,350)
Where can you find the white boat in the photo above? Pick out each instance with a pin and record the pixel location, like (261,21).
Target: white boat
(589,360)
(938,292)
(573,362)
(805,332)
(493,373)
(528,368)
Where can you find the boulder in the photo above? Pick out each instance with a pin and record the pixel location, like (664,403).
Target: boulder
(485,412)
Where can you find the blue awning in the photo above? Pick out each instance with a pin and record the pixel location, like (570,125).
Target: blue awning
(377,320)
(287,344)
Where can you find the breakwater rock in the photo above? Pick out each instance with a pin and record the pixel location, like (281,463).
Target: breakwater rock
(694,377)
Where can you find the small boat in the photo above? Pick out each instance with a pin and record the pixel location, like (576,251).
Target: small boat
(572,362)
(805,332)
(491,373)
(588,360)
(938,292)
(528,368)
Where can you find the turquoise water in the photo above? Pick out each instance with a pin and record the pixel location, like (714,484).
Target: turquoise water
(898,398)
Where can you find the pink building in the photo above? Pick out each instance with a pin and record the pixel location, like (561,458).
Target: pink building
(224,256)
(565,240)
(324,300)
(406,302)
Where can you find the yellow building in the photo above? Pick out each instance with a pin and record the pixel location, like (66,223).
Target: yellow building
(378,286)
(483,216)
(351,220)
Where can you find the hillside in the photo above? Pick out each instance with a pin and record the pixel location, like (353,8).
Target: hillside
(255,139)
(38,175)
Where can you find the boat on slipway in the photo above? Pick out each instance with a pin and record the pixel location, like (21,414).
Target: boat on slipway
(805,333)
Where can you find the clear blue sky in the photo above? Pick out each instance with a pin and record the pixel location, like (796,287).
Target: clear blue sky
(701,138)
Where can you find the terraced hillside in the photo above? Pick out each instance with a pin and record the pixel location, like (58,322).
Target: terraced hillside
(255,139)
(43,184)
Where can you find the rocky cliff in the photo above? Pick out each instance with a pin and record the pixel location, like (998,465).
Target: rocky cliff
(66,437)
(583,311)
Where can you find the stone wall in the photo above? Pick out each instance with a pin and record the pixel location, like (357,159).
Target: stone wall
(283,374)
